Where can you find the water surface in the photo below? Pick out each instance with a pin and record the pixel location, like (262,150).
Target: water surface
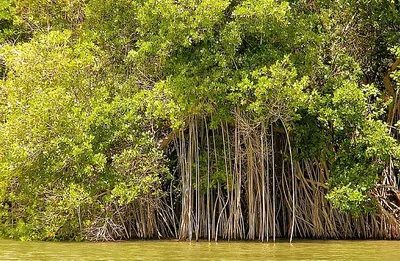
(173,250)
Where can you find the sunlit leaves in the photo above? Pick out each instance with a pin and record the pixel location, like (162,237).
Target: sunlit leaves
(59,128)
(272,93)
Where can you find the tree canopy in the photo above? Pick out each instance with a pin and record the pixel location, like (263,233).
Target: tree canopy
(180,118)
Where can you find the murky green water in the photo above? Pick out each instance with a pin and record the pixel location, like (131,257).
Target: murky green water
(171,250)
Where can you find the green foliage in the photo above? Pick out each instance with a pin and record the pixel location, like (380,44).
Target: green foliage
(60,129)
(272,93)
(362,143)
(351,200)
(89,89)
(64,14)
(10,30)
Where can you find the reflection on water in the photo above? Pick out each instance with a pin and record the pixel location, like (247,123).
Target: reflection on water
(173,250)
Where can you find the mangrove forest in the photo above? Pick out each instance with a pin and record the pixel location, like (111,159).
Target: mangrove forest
(199,119)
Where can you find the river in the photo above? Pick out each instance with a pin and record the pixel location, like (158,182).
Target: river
(173,250)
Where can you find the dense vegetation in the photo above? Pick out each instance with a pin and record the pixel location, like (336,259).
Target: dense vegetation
(234,119)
